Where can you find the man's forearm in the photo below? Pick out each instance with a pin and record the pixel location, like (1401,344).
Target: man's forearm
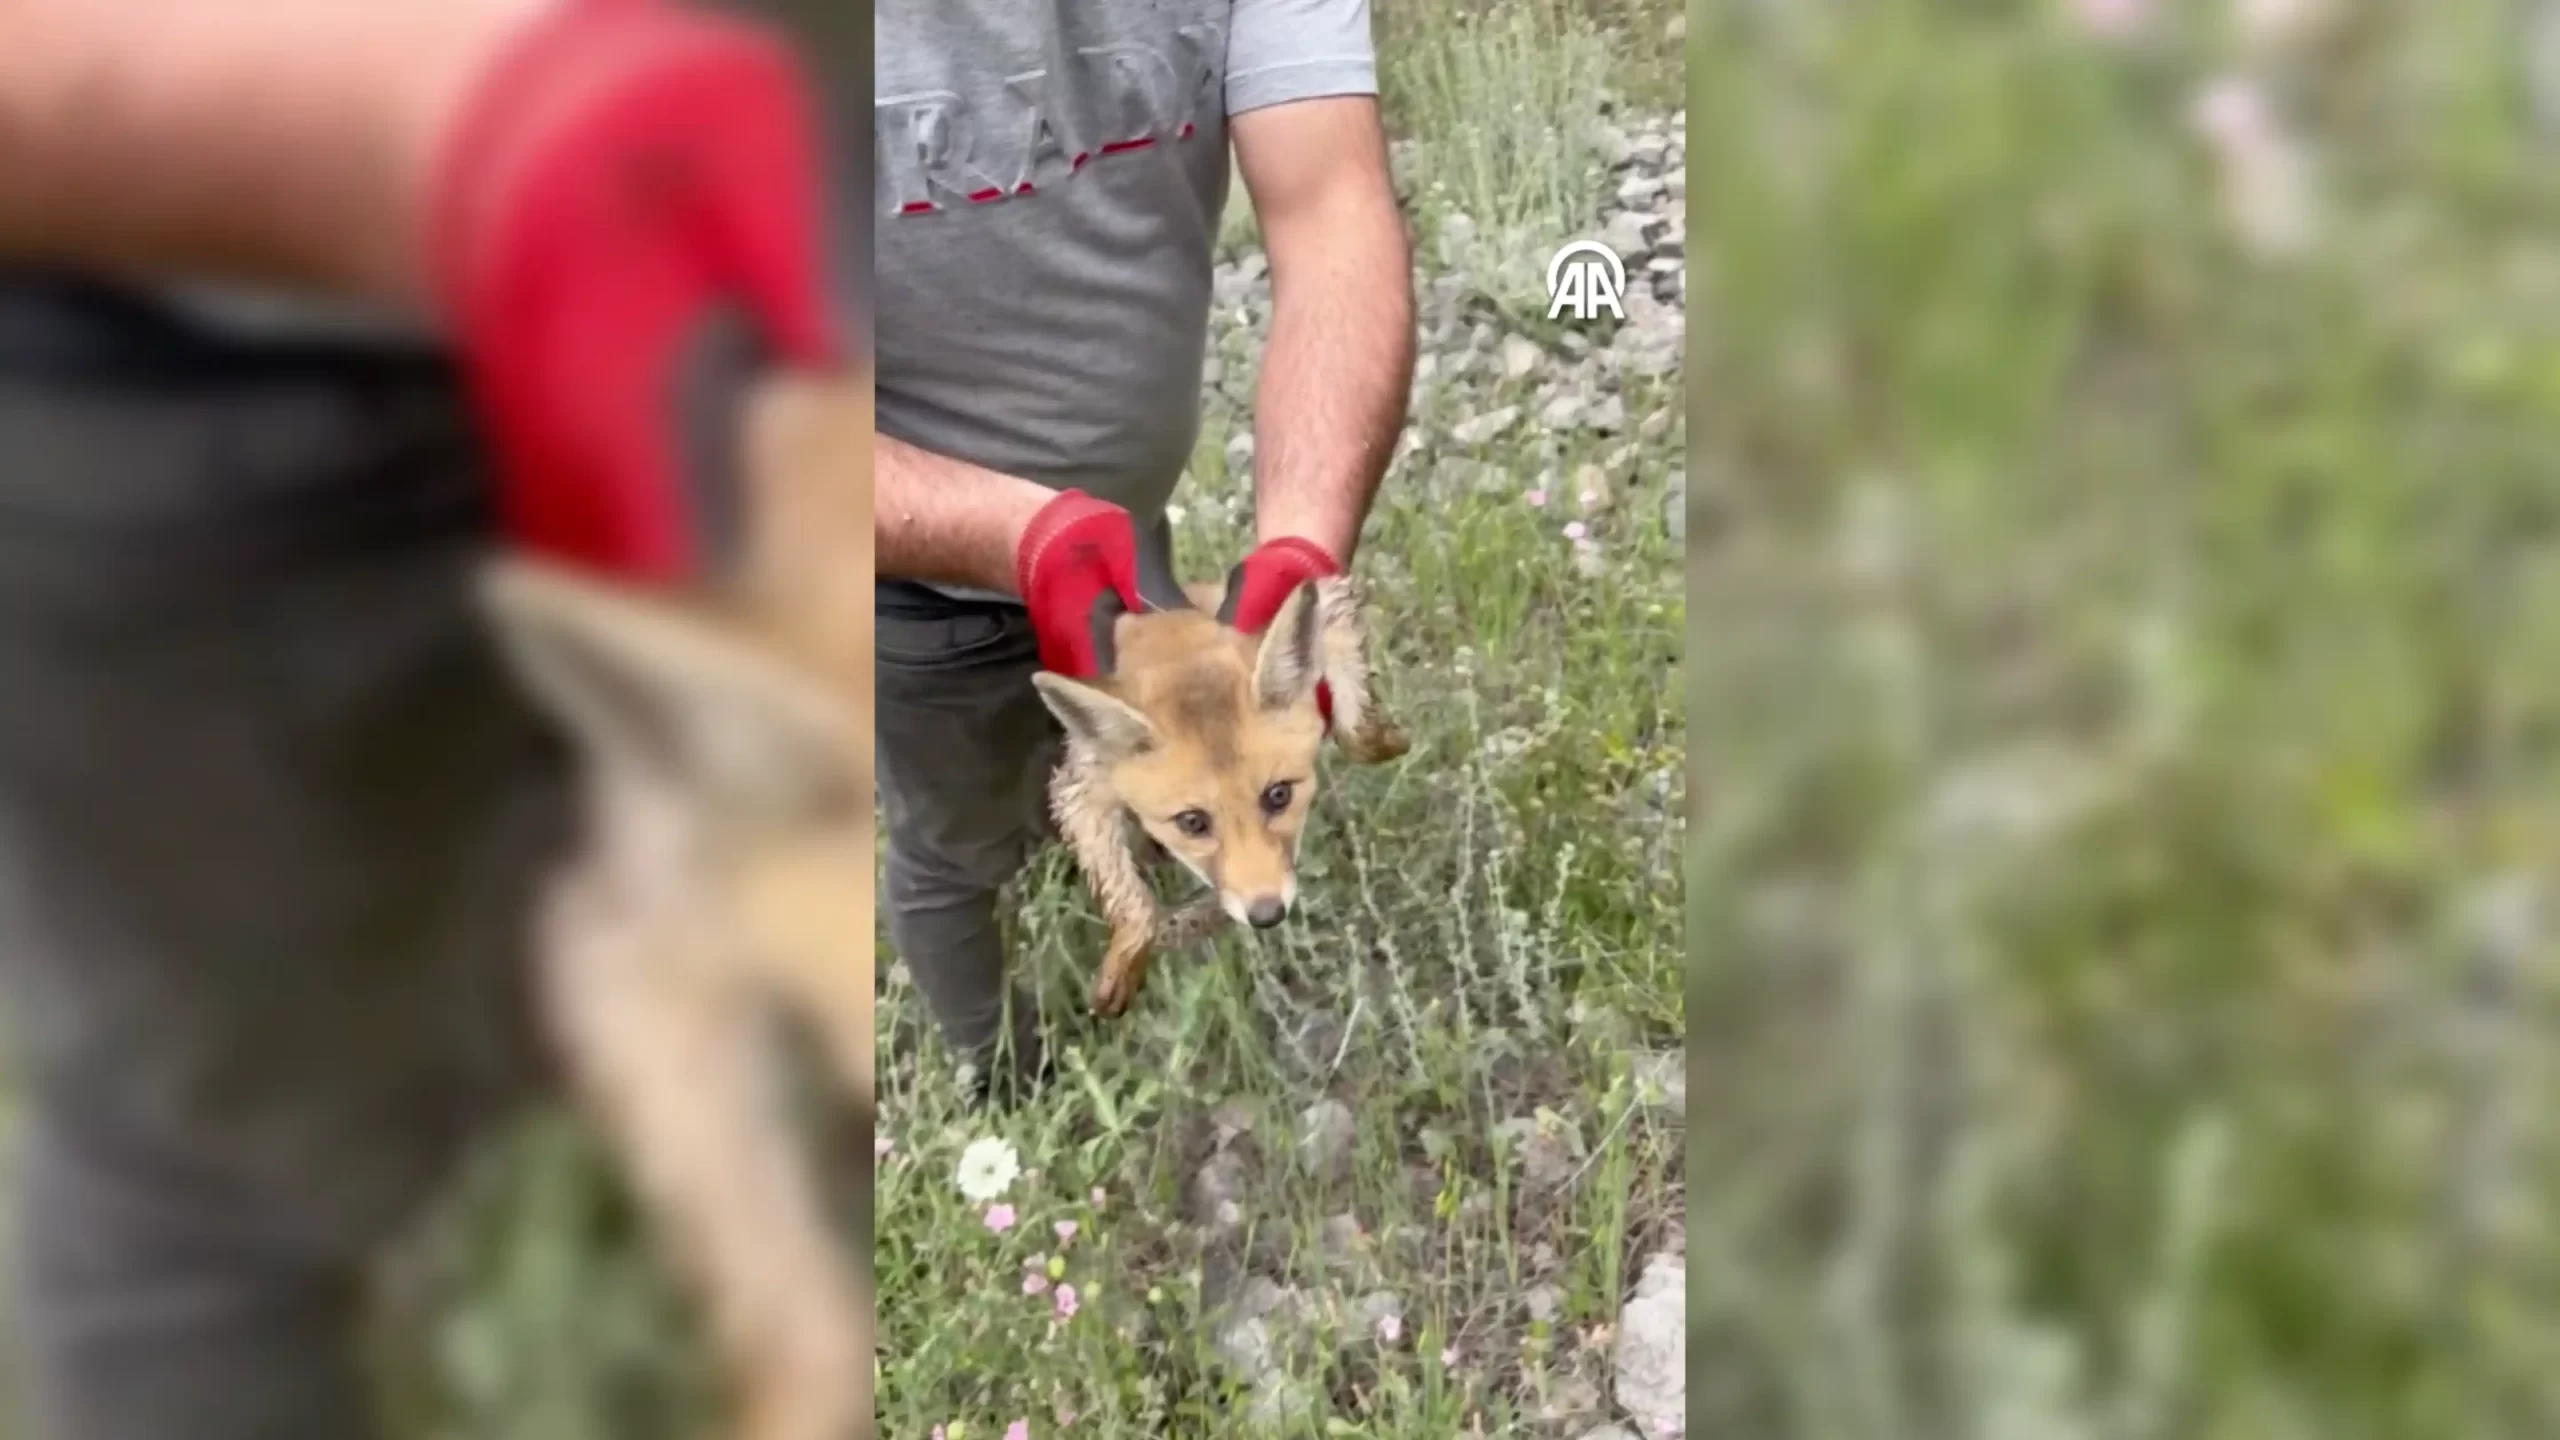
(265,141)
(1335,376)
(947,521)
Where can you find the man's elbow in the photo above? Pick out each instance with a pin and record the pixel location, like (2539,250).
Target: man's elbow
(1352,234)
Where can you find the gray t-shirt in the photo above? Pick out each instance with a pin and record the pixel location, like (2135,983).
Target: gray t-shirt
(1051,176)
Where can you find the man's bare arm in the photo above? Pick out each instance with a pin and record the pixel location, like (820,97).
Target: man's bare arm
(1339,364)
(263,141)
(947,521)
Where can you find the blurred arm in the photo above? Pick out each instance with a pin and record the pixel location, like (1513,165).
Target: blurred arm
(265,141)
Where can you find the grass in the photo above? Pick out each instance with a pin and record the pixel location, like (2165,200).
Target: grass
(2127,964)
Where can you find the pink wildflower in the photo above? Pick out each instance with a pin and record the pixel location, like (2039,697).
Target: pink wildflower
(1018,1430)
(2111,19)
(1537,499)
(1066,1230)
(999,1217)
(1066,1302)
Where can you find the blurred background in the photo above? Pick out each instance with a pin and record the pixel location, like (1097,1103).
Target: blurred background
(2125,580)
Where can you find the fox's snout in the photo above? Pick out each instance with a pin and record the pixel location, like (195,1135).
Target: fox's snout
(1262,909)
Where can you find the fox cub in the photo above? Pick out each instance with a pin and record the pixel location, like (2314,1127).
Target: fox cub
(725,879)
(1206,738)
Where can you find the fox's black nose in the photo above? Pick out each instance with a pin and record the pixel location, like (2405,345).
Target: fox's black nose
(1266,912)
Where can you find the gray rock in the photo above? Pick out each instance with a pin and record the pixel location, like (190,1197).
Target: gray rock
(1608,417)
(1478,429)
(1340,1239)
(1569,1398)
(1543,1302)
(1611,1432)
(1281,1403)
(1639,189)
(1245,1346)
(1612,144)
(1565,412)
(1648,150)
(1325,1132)
(1548,1153)
(1651,1355)
(1457,240)
(1382,1311)
(1520,355)
(1312,1042)
(1652,361)
(1217,1192)
(1629,234)
(1233,1116)
(1655,425)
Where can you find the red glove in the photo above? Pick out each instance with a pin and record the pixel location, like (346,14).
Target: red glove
(1265,578)
(627,184)
(1077,570)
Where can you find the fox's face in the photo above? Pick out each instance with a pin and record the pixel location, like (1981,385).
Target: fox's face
(1209,737)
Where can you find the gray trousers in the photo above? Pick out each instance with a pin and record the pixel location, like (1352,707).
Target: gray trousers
(965,750)
(271,815)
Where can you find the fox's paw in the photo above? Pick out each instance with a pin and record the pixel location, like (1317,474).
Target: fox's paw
(1123,966)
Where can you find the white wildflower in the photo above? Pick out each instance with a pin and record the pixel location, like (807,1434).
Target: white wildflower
(987,1168)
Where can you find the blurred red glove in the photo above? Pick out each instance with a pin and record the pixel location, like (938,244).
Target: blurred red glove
(629,185)
(1265,578)
(1077,570)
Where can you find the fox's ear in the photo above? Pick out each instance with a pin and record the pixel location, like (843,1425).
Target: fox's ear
(652,691)
(1103,723)
(1291,660)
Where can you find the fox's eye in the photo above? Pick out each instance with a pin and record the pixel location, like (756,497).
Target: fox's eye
(1194,823)
(1275,797)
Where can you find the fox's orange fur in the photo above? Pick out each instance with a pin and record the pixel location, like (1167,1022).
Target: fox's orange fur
(726,877)
(1207,738)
